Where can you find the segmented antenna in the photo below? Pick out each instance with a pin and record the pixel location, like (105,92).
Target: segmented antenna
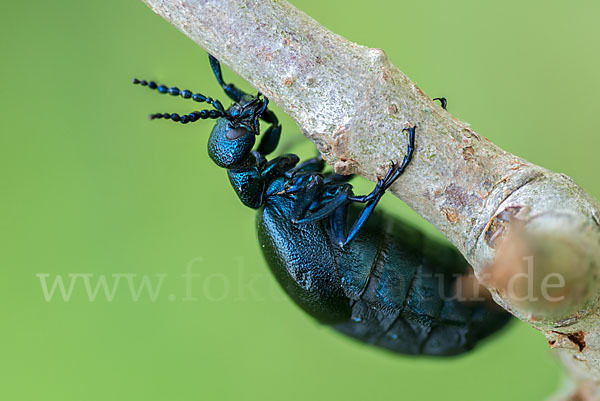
(189,118)
(186,93)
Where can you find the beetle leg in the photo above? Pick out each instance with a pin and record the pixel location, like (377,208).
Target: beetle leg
(373,198)
(325,208)
(278,166)
(306,195)
(338,224)
(270,140)
(334,177)
(316,164)
(271,136)
(269,117)
(231,90)
(407,158)
(362,219)
(304,183)
(443,101)
(237,95)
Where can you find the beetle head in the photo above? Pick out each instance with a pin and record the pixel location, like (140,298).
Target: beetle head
(233,136)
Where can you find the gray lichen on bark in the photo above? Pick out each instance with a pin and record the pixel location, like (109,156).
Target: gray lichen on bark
(353,104)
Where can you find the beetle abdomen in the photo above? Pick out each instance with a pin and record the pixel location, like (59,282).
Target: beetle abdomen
(402,287)
(391,286)
(303,262)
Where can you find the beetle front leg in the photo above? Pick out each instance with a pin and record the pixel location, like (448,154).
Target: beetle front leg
(231,90)
(270,140)
(271,137)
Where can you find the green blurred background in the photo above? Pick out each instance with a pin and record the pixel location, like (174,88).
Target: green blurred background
(91,186)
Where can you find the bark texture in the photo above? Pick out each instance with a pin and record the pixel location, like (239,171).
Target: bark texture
(496,208)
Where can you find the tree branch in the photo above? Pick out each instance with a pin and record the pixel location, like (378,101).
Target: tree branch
(353,104)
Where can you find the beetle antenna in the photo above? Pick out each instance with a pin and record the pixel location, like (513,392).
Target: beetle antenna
(189,118)
(186,93)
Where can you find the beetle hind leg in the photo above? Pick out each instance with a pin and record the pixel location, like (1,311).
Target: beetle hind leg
(338,219)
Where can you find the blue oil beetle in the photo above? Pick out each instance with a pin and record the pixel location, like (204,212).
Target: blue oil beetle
(378,279)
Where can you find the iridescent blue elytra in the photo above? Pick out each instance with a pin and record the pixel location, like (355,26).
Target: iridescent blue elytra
(378,279)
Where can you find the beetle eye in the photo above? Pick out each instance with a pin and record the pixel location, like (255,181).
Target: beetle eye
(236,133)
